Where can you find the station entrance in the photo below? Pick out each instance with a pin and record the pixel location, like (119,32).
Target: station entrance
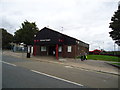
(52,50)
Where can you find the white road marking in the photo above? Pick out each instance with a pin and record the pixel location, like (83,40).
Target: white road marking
(87,70)
(8,63)
(68,67)
(104,80)
(57,78)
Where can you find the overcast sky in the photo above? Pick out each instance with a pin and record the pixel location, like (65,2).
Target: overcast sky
(86,20)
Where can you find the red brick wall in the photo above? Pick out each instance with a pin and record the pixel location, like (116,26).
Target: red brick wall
(37,50)
(43,53)
(81,49)
(76,50)
(66,54)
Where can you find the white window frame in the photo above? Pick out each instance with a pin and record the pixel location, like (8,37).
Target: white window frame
(60,49)
(43,48)
(69,49)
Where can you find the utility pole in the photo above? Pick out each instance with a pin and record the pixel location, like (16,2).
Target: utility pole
(103,45)
(62,29)
(47,26)
(118,48)
(114,48)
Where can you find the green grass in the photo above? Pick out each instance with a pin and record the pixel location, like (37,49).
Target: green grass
(104,58)
(116,63)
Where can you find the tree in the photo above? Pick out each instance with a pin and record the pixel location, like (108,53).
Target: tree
(115,26)
(7,38)
(26,33)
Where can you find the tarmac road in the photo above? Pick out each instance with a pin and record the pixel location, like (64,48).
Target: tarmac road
(18,77)
(87,78)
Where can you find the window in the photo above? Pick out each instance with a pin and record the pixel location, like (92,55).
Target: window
(43,48)
(69,49)
(60,48)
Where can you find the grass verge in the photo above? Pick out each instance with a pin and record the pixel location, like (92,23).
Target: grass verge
(116,63)
(104,58)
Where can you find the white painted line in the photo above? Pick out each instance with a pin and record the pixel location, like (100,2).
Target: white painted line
(68,67)
(87,70)
(57,78)
(8,63)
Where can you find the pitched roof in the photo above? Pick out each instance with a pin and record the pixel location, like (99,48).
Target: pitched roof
(63,34)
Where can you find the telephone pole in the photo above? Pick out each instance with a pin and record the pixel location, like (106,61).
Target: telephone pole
(114,48)
(62,29)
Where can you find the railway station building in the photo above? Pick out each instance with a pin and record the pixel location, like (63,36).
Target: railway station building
(48,42)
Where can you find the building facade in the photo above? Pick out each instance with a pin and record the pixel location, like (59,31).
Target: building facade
(53,43)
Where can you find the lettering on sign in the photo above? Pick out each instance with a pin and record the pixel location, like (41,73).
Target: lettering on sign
(43,40)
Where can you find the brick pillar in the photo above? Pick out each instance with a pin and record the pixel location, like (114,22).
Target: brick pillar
(57,51)
(34,50)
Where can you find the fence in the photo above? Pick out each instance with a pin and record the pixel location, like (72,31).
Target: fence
(110,53)
(19,49)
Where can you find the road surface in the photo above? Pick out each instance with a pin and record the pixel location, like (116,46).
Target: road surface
(18,77)
(28,73)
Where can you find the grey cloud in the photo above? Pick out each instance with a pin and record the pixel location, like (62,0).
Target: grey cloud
(82,19)
(7,24)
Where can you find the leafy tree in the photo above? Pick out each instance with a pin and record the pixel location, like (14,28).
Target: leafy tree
(7,38)
(115,26)
(26,33)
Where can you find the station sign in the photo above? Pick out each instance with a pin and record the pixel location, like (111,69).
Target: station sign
(43,40)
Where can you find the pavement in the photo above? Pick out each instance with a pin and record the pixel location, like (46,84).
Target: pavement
(91,65)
